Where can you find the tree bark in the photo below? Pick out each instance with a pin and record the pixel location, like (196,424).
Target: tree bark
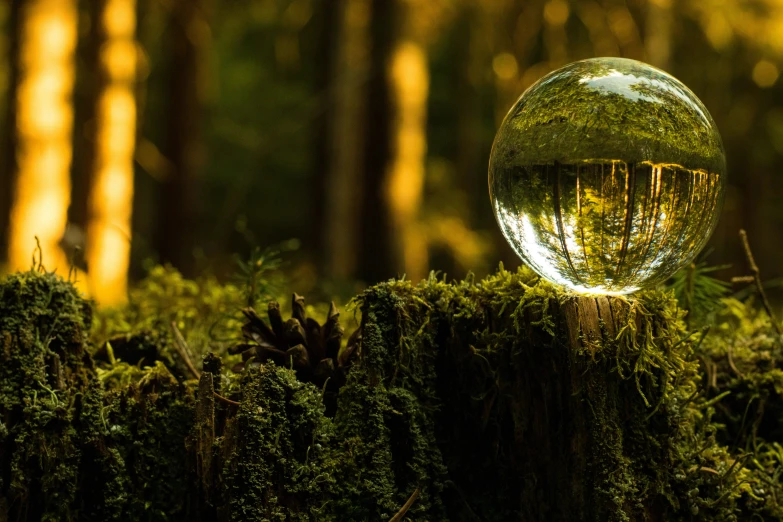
(493,401)
(393,241)
(342,181)
(188,37)
(377,259)
(44,128)
(8,165)
(91,82)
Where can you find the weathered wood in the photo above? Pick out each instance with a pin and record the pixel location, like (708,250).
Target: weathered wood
(606,317)
(205,436)
(497,401)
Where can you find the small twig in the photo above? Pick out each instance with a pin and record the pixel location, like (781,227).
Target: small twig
(406,506)
(731,468)
(72,269)
(757,278)
(182,349)
(731,363)
(224,399)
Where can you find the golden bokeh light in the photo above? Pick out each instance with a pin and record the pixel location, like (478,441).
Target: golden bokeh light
(409,78)
(111,195)
(44,128)
(556,12)
(505,66)
(765,74)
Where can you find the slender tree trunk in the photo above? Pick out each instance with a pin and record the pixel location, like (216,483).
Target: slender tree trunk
(392,239)
(8,166)
(188,36)
(89,85)
(343,184)
(658,32)
(404,190)
(377,259)
(44,124)
(469,161)
(111,191)
(327,17)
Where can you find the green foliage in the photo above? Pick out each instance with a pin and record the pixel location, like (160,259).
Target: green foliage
(71,450)
(456,391)
(256,275)
(279,467)
(134,460)
(206,312)
(698,292)
(43,361)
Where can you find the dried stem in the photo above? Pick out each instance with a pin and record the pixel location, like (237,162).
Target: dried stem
(182,349)
(224,399)
(731,363)
(757,278)
(404,509)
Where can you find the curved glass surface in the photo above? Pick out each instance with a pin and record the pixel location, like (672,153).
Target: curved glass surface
(607,176)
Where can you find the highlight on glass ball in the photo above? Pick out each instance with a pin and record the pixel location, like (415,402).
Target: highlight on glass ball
(607,176)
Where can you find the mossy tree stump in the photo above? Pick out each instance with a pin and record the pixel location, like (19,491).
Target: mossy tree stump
(484,401)
(545,407)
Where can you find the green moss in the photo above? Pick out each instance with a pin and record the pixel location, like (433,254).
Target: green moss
(206,312)
(69,450)
(136,464)
(496,400)
(279,466)
(465,352)
(43,363)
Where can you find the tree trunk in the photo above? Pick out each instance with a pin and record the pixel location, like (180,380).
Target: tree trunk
(342,186)
(327,39)
(44,126)
(658,33)
(111,190)
(8,162)
(188,37)
(377,259)
(393,242)
(90,83)
(494,401)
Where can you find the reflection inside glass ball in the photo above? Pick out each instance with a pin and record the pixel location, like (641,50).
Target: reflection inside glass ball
(606,227)
(607,176)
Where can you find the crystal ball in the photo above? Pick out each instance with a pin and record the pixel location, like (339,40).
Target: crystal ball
(607,176)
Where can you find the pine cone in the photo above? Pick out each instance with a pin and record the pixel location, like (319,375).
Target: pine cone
(311,349)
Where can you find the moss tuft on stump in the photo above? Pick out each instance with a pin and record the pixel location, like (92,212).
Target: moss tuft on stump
(495,400)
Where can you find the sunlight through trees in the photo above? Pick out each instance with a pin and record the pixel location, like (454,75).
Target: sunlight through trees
(111,197)
(44,126)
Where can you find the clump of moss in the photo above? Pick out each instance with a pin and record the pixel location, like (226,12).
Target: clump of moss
(44,363)
(206,313)
(279,463)
(68,449)
(134,461)
(493,400)
(523,415)
(740,357)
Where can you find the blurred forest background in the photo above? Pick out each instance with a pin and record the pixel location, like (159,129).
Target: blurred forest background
(352,134)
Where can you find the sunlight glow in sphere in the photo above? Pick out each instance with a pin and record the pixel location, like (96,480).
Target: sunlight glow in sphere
(607,176)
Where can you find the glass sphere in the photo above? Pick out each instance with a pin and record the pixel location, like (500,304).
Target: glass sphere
(607,176)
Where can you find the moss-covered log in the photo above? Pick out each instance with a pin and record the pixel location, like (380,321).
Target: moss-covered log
(485,401)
